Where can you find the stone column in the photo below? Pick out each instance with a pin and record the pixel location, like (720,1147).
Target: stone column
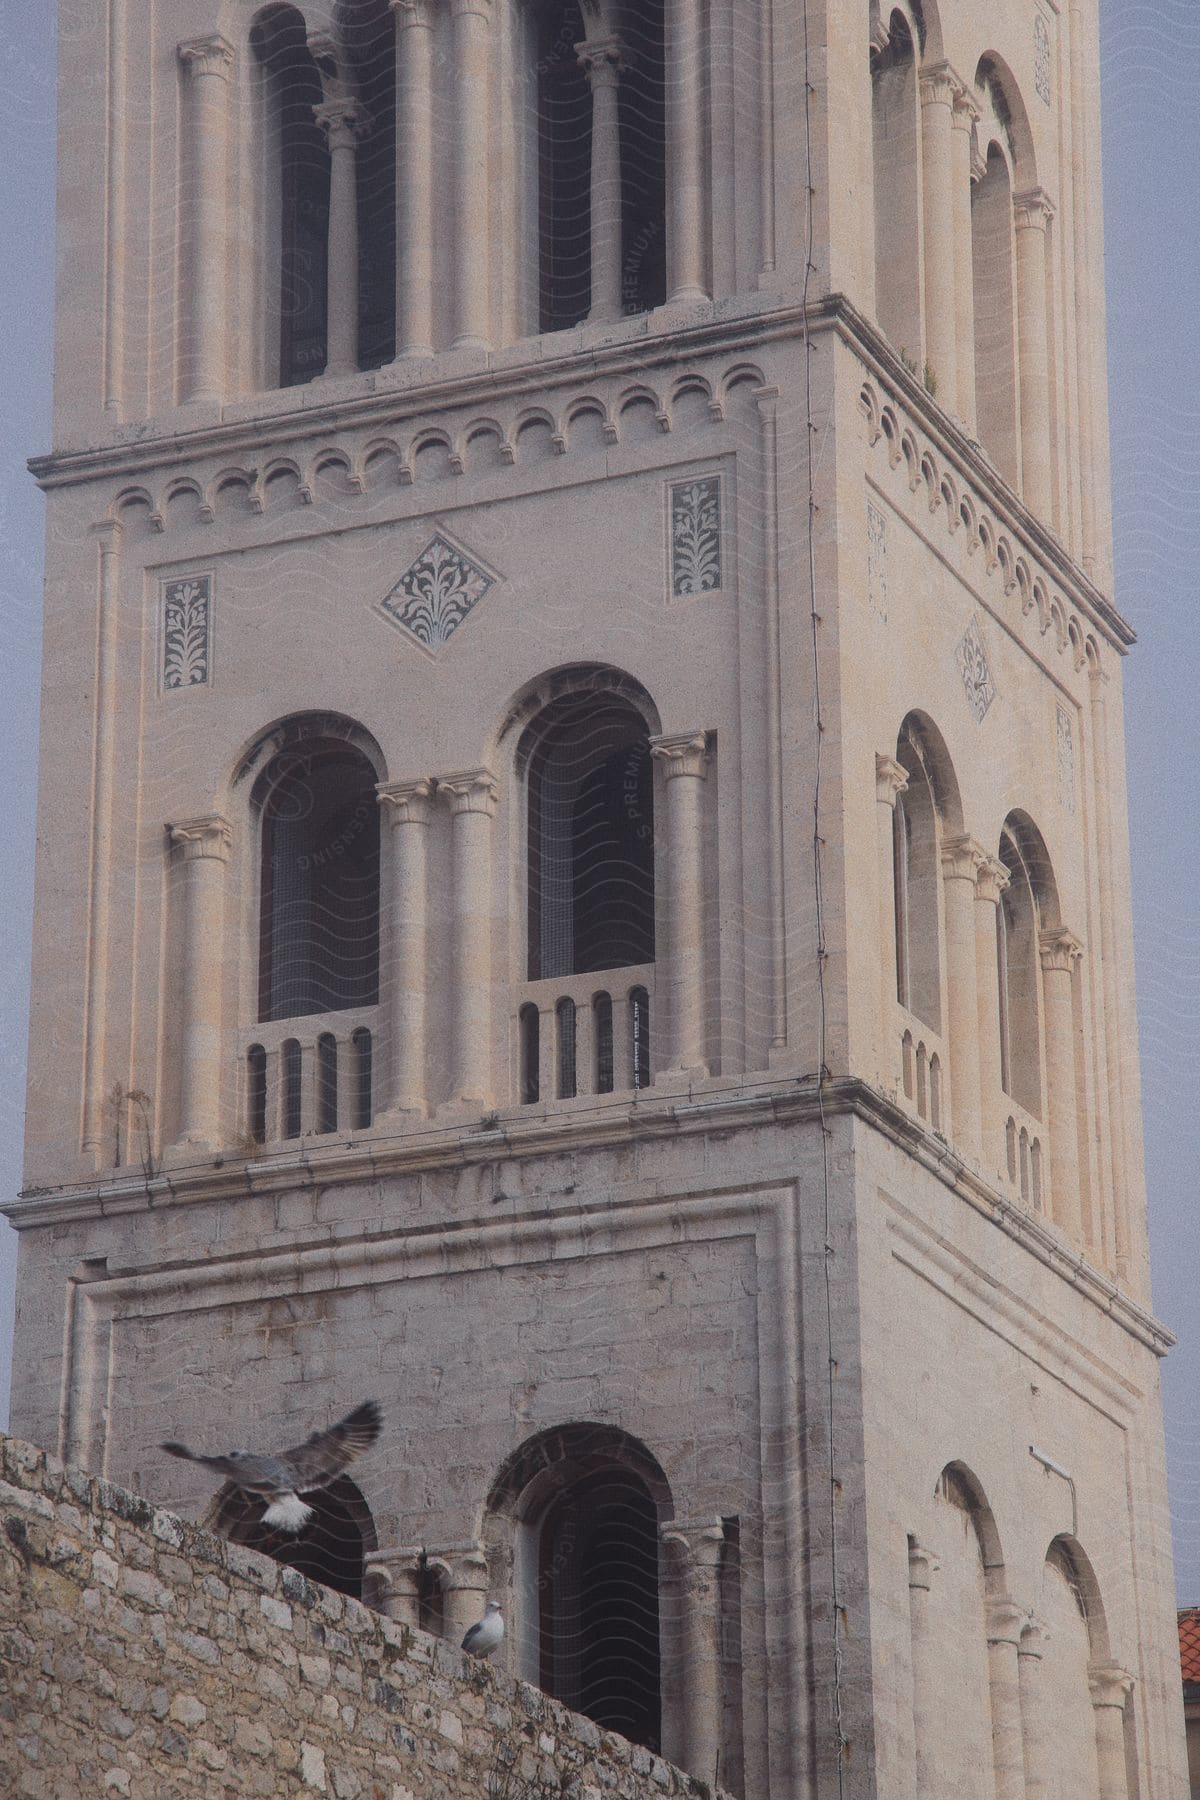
(601,59)
(398,1577)
(407,805)
(472,797)
(939,85)
(414,178)
(990,883)
(698,1556)
(964,119)
(472,46)
(1060,951)
(922,1566)
(685,765)
(343,122)
(1032,214)
(685,152)
(108,627)
(961,860)
(466,1590)
(203,846)
(1110,1689)
(890,782)
(1035,1731)
(1004,1623)
(206,62)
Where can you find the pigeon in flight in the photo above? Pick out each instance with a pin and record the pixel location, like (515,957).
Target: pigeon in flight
(487,1635)
(281,1479)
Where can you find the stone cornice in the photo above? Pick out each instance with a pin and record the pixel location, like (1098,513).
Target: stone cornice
(602,1124)
(401,393)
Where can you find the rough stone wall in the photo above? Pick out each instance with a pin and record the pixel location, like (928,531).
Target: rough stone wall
(141,1656)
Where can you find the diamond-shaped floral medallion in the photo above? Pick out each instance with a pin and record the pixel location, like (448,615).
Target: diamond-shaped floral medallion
(437,592)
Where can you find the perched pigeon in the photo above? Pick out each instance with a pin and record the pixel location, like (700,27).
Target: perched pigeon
(281,1479)
(488,1634)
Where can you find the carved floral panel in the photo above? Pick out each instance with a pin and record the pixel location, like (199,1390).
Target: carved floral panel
(187,631)
(695,516)
(975,670)
(1066,758)
(1041,57)
(437,592)
(877,593)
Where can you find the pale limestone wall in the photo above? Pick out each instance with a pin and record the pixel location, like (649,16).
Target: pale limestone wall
(144,1657)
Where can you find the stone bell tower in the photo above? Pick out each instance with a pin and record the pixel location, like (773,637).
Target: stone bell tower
(582,882)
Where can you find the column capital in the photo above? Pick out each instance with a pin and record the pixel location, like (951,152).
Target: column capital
(211,836)
(1005,1621)
(406,802)
(923,1565)
(1034,1637)
(412,13)
(601,60)
(879,36)
(890,780)
(206,55)
(1110,1685)
(342,118)
(992,880)
(966,113)
(470,791)
(1060,949)
(1033,209)
(962,858)
(699,1542)
(462,9)
(466,1568)
(681,753)
(939,85)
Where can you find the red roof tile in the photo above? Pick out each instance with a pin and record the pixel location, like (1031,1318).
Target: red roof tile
(1189,1642)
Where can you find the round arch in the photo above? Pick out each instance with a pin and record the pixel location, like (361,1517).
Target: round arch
(299,731)
(1068,1555)
(962,1488)
(1028,847)
(572,1528)
(568,679)
(994,78)
(921,737)
(331,1549)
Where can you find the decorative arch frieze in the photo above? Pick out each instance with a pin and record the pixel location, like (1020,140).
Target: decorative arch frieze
(1021,577)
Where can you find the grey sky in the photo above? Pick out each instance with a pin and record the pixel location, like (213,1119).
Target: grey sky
(1151,102)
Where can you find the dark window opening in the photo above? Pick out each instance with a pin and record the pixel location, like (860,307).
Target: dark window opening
(564,121)
(529,1025)
(302,159)
(256,1097)
(639,1038)
(327,1082)
(591,841)
(292,1060)
(602,1015)
(369,38)
(566,1049)
(330,1549)
(319,934)
(642,107)
(363,1106)
(599,1620)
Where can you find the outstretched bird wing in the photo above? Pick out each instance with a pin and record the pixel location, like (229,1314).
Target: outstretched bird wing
(321,1458)
(240,1469)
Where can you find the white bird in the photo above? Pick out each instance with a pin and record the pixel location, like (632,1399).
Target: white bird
(281,1479)
(487,1634)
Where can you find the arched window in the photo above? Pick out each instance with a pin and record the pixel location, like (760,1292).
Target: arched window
(299,77)
(572,1523)
(598,1623)
(333,1546)
(917,884)
(319,897)
(643,135)
(993,274)
(368,36)
(590,837)
(895,114)
(570,136)
(1019,970)
(564,118)
(298,195)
